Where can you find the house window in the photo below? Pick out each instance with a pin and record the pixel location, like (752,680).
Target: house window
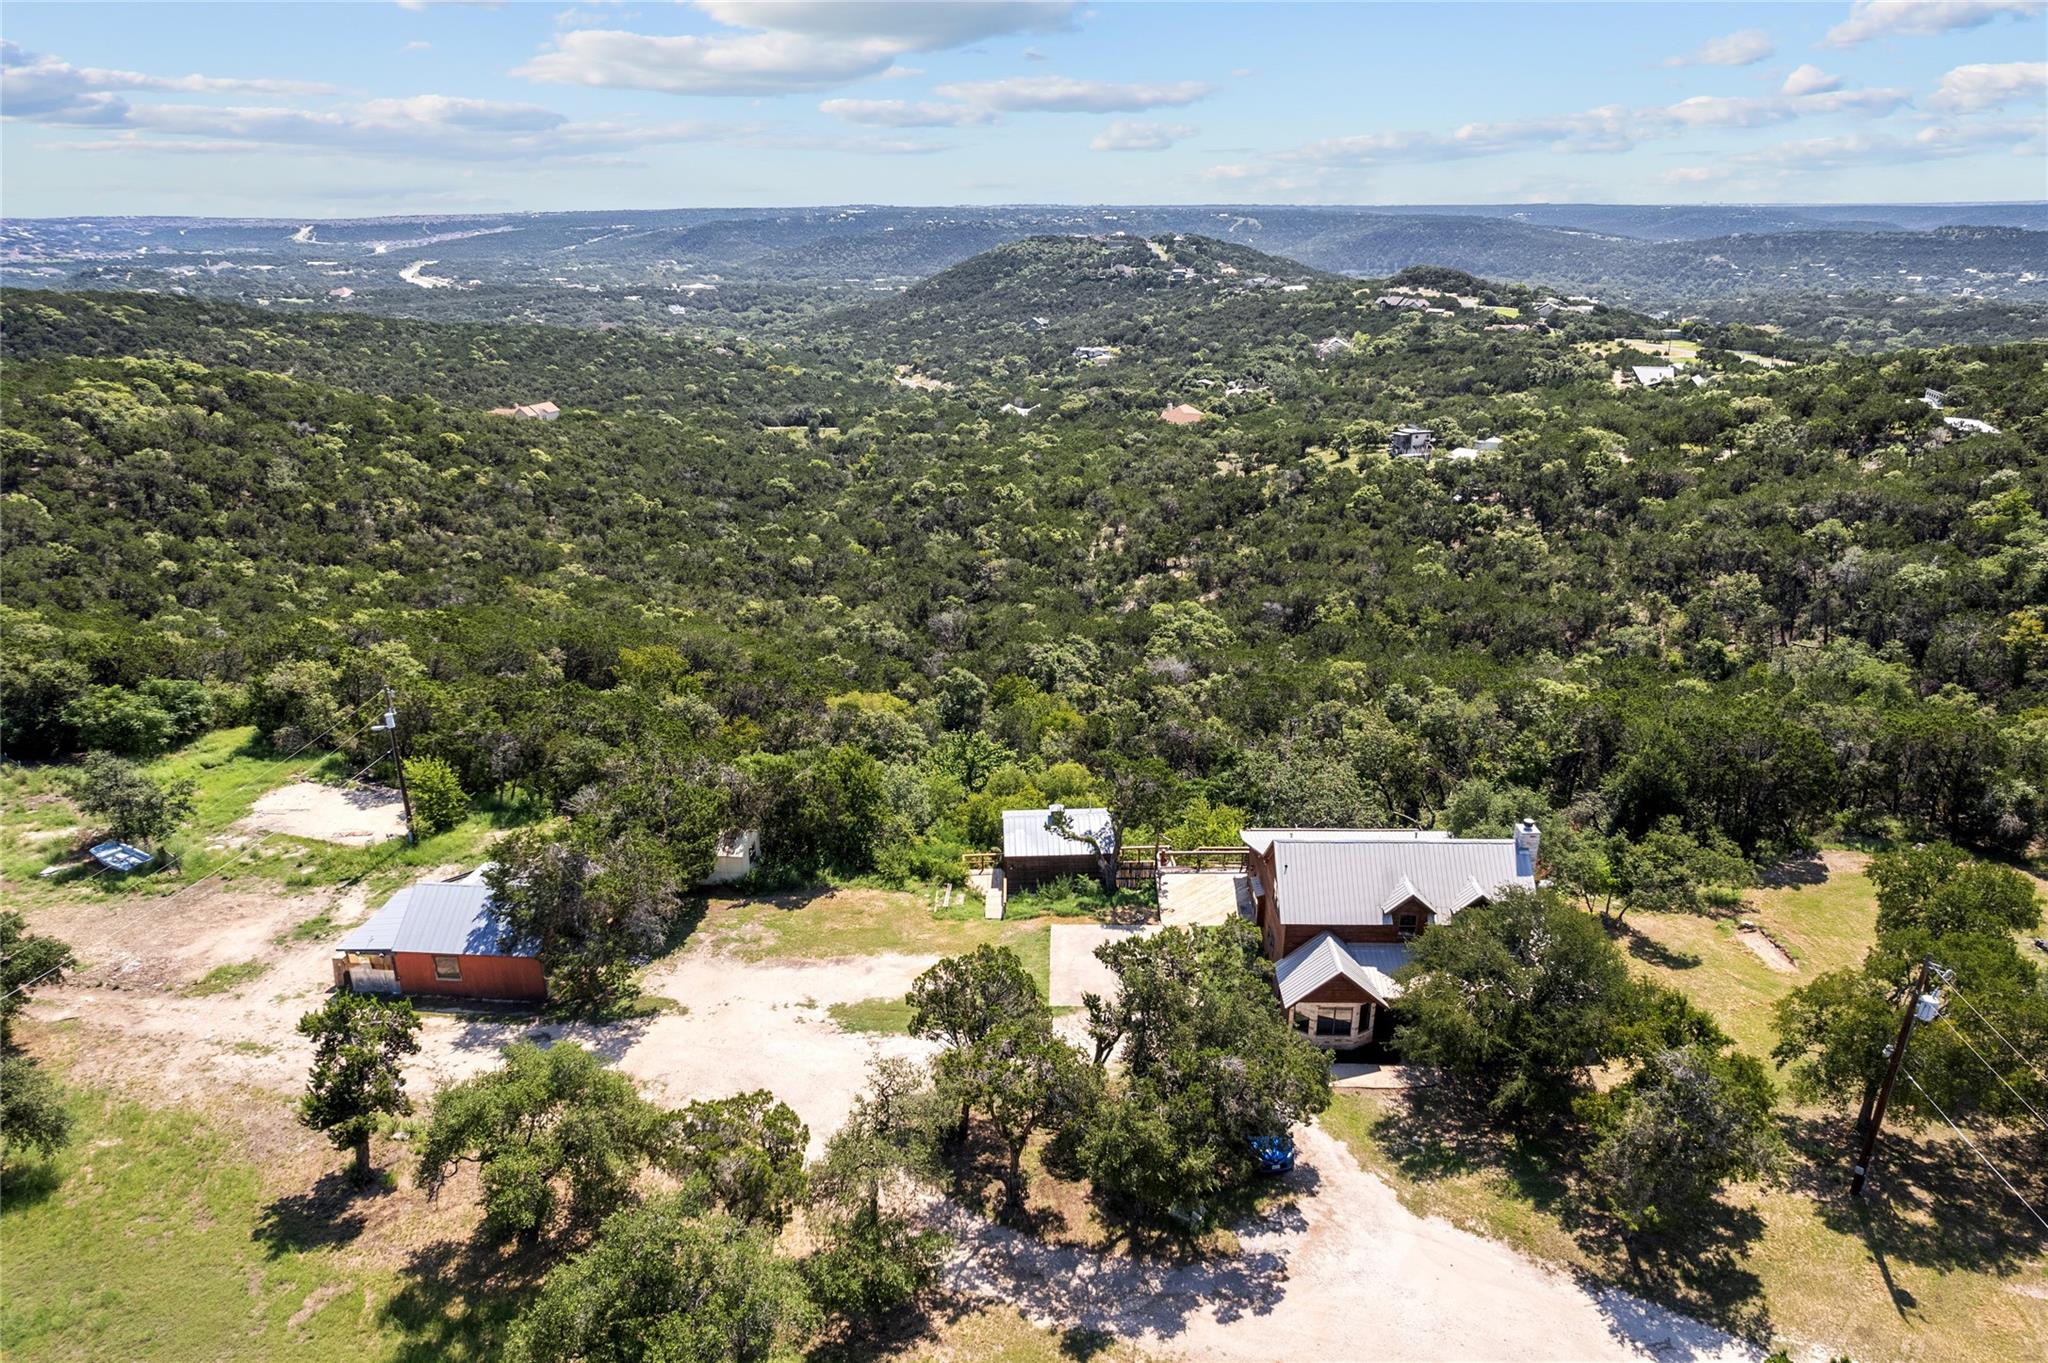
(1409,924)
(447,968)
(1330,1022)
(1300,1022)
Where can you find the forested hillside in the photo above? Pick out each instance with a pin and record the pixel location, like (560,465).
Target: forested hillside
(865,616)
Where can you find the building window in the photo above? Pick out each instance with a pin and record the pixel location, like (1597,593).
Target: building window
(1409,924)
(447,968)
(1332,1023)
(1300,1022)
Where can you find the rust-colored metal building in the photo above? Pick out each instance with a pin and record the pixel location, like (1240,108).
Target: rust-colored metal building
(439,940)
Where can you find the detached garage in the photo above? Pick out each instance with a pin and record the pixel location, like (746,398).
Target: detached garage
(439,940)
(1044,845)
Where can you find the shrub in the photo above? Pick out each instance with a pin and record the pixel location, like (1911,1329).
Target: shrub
(438,800)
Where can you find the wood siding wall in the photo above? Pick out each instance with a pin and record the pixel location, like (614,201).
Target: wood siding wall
(483,977)
(1028,873)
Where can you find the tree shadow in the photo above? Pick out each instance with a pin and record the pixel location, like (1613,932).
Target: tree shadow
(333,1213)
(1929,1201)
(1650,951)
(25,1185)
(1794,872)
(458,1298)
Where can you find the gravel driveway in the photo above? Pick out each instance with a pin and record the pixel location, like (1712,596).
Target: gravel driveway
(1075,971)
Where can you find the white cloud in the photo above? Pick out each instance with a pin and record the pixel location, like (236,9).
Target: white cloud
(782,46)
(903,113)
(924,27)
(1810,80)
(37,86)
(1749,46)
(1870,19)
(1784,162)
(1128,135)
(1065,94)
(417,45)
(1608,128)
(1989,85)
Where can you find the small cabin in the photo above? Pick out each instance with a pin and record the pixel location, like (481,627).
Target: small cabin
(440,940)
(1044,845)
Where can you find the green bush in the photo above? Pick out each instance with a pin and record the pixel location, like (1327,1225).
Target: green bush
(905,863)
(438,800)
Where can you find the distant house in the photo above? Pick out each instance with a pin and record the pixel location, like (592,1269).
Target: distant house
(1094,354)
(1013,409)
(1463,452)
(1934,398)
(1335,908)
(1411,442)
(532,411)
(1650,375)
(1401,300)
(439,939)
(1490,445)
(1044,845)
(1180,414)
(1331,347)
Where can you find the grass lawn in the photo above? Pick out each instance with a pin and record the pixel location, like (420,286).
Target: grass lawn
(146,1238)
(1933,1266)
(888,1016)
(231,772)
(817,925)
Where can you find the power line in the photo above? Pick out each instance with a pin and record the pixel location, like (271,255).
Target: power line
(2021,1098)
(1995,1032)
(1996,1172)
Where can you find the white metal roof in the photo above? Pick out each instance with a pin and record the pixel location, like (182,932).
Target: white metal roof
(1362,880)
(455,919)
(1369,965)
(1029,832)
(1259,839)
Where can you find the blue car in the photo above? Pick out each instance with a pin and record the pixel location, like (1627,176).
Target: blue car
(1275,1154)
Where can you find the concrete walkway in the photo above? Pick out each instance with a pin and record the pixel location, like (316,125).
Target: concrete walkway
(1075,971)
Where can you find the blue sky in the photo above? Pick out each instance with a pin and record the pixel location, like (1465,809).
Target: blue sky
(347,109)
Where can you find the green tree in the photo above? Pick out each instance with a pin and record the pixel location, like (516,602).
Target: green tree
(1209,1064)
(1023,1079)
(1669,870)
(28,961)
(360,1043)
(866,1191)
(1521,997)
(32,1111)
(744,1155)
(1688,1122)
(590,909)
(1934,904)
(130,804)
(967,996)
(546,1121)
(438,801)
(662,1284)
(115,719)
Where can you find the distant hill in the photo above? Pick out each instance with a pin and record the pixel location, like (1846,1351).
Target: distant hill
(1048,294)
(757,270)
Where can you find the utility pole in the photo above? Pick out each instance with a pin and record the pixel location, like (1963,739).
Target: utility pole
(390,728)
(1921,1006)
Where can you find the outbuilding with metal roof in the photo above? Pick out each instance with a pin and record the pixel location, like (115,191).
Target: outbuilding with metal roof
(440,938)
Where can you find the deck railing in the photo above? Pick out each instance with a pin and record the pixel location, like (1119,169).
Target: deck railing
(1202,859)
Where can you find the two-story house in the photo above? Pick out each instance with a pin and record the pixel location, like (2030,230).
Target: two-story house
(1336,907)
